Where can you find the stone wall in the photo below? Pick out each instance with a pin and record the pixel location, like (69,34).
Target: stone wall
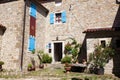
(11,16)
(40,35)
(81,15)
(84,14)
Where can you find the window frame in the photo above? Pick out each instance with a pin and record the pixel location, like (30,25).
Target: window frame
(60,17)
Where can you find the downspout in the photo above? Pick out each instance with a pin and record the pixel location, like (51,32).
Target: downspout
(23,36)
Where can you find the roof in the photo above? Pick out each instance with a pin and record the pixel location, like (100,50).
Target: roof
(2,27)
(45,1)
(100,30)
(40,5)
(5,1)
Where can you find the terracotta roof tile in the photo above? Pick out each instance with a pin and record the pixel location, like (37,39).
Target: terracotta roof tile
(99,30)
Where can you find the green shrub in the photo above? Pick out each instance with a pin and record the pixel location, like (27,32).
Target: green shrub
(29,65)
(66,59)
(1,62)
(46,58)
(33,51)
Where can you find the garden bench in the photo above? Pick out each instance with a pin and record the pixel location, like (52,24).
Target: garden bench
(78,67)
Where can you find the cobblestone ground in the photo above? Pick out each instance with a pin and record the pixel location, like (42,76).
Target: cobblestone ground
(49,74)
(35,78)
(50,66)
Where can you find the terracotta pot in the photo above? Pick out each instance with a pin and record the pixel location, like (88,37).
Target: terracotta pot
(41,66)
(33,68)
(68,69)
(29,69)
(1,68)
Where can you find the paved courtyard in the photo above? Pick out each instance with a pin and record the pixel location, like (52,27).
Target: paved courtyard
(54,72)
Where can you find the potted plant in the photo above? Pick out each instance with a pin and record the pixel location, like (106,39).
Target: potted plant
(67,67)
(1,63)
(73,48)
(40,54)
(29,68)
(100,57)
(67,61)
(41,66)
(33,64)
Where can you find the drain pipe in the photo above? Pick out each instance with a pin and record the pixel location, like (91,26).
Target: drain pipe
(23,35)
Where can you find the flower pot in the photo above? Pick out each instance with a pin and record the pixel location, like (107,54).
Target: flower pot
(101,71)
(29,69)
(41,66)
(68,69)
(1,68)
(33,68)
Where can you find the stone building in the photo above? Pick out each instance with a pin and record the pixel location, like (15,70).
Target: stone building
(47,25)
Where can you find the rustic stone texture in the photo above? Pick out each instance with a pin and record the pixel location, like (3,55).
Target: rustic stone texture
(11,16)
(84,14)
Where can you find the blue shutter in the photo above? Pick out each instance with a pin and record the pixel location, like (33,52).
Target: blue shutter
(49,45)
(64,16)
(31,43)
(51,18)
(33,10)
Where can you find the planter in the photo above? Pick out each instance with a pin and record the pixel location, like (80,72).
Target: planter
(33,68)
(1,68)
(100,71)
(68,69)
(41,66)
(29,69)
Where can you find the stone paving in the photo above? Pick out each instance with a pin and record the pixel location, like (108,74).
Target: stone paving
(46,75)
(41,77)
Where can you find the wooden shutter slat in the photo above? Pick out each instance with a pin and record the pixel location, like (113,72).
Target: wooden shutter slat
(32,26)
(33,10)
(51,18)
(64,16)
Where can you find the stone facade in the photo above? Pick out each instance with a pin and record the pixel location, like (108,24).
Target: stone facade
(80,15)
(11,16)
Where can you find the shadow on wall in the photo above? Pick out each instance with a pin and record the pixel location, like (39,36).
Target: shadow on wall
(40,8)
(83,52)
(4,1)
(116,44)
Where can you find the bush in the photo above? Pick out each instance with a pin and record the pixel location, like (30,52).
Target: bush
(46,58)
(1,62)
(29,65)
(73,48)
(66,59)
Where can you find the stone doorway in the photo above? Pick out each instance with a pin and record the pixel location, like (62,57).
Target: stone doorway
(58,51)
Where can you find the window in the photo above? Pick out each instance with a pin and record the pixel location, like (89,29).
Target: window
(103,43)
(58,17)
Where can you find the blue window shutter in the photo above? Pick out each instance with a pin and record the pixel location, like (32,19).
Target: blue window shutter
(51,18)
(33,10)
(31,43)
(64,16)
